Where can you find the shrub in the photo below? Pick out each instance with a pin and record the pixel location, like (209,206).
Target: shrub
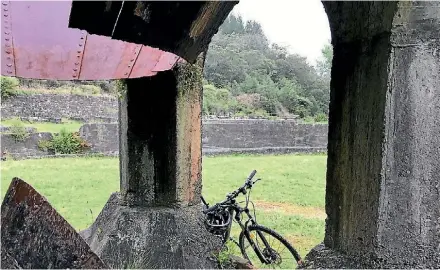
(8,86)
(321,117)
(65,143)
(45,145)
(18,131)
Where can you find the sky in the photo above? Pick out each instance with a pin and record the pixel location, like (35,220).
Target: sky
(301,25)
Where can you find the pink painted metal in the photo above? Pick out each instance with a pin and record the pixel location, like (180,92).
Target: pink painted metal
(37,43)
(7,64)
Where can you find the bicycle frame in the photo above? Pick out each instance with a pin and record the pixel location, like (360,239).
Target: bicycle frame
(234,207)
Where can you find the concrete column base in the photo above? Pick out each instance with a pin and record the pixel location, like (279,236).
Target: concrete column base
(323,257)
(151,237)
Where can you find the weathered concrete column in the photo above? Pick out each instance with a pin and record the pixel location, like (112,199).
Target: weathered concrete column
(383,174)
(155,219)
(160,138)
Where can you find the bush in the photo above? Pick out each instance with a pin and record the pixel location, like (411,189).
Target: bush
(65,143)
(321,117)
(8,86)
(18,131)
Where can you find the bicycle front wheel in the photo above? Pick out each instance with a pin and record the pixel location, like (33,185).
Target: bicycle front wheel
(276,251)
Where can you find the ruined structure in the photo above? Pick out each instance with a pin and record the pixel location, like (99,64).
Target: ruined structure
(35,236)
(382,201)
(156,216)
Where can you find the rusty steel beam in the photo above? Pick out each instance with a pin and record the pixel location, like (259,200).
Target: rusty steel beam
(34,235)
(37,43)
(184,28)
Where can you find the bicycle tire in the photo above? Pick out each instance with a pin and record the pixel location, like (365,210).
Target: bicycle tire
(242,238)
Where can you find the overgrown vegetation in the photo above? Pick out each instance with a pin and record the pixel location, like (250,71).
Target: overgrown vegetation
(18,131)
(246,75)
(8,86)
(67,87)
(64,143)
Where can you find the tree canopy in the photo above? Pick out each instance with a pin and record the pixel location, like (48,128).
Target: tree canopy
(246,75)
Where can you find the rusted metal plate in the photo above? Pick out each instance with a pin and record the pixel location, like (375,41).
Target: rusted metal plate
(166,62)
(36,236)
(7,64)
(106,59)
(37,43)
(184,28)
(148,59)
(43,48)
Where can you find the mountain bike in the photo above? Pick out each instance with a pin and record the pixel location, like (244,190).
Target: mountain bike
(265,243)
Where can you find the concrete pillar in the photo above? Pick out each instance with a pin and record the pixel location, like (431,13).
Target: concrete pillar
(155,220)
(160,138)
(383,174)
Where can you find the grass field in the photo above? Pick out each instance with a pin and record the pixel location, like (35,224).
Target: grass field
(289,199)
(69,125)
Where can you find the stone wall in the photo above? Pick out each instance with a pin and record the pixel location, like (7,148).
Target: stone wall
(26,148)
(231,136)
(218,137)
(79,107)
(262,133)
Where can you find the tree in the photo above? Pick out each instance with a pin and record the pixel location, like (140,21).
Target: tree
(241,63)
(325,63)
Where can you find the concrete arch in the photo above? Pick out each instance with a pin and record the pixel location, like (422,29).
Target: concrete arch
(382,197)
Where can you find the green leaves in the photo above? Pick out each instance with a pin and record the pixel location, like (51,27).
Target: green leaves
(241,61)
(64,143)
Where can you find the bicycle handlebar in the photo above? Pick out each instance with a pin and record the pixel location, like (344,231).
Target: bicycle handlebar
(247,184)
(252,175)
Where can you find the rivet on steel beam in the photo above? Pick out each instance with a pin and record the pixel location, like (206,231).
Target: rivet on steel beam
(78,56)
(4,3)
(6,15)
(129,66)
(9,65)
(78,52)
(82,37)
(76,63)
(126,73)
(75,69)
(9,71)
(8,52)
(9,58)
(80,45)
(5,9)
(74,74)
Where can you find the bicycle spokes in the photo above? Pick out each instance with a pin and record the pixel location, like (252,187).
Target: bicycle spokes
(274,252)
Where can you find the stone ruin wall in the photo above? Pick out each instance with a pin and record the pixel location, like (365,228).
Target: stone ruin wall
(219,136)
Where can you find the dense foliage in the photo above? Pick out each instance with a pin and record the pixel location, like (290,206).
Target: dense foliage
(8,86)
(64,143)
(245,74)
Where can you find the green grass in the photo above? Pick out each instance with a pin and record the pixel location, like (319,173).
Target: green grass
(69,125)
(295,179)
(79,187)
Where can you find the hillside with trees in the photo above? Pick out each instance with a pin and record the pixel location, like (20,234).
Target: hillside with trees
(246,75)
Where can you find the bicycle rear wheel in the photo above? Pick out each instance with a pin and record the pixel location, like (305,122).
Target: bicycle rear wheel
(276,250)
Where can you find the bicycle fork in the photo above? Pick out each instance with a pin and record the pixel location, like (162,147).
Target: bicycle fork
(251,240)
